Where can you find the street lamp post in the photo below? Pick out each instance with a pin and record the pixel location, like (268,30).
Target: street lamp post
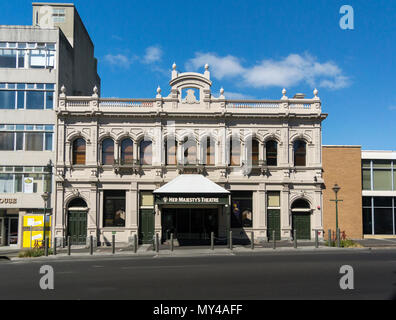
(336,189)
(45,197)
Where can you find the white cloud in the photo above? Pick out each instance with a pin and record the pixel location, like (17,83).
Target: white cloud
(287,72)
(153,54)
(119,60)
(237,96)
(221,67)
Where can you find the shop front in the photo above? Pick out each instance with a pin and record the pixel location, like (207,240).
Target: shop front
(192,207)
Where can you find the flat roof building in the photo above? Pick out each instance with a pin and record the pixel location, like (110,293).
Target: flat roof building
(35,61)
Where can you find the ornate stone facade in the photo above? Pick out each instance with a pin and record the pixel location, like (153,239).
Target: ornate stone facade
(189,113)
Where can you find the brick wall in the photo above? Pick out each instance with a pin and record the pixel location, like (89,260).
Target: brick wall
(342,165)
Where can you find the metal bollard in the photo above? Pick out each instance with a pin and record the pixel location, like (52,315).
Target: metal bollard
(157,242)
(154,243)
(274,239)
(46,246)
(316,239)
(68,246)
(212,241)
(252,240)
(135,243)
(113,243)
(295,238)
(329,237)
(55,246)
(172,244)
(231,247)
(338,238)
(91,245)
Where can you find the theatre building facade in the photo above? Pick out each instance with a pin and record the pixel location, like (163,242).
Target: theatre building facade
(188,163)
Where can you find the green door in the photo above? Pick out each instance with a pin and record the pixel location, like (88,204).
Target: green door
(302,224)
(77,227)
(146,225)
(273,223)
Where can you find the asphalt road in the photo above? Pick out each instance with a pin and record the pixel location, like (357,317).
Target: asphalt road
(300,275)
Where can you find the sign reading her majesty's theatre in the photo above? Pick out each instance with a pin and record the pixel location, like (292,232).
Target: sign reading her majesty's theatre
(191,200)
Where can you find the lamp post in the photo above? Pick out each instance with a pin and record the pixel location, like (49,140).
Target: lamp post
(45,197)
(336,189)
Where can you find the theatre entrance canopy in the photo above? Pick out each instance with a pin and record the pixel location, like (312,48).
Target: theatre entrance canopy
(191,190)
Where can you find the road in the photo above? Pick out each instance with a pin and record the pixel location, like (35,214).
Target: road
(300,275)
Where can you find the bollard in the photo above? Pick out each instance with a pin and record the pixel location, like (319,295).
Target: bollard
(153,242)
(91,245)
(274,239)
(55,246)
(338,238)
(252,240)
(316,239)
(295,238)
(68,246)
(135,243)
(329,236)
(113,243)
(212,241)
(172,244)
(157,242)
(46,246)
(231,247)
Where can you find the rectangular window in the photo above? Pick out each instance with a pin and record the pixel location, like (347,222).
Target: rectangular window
(273,199)
(37,58)
(7,99)
(49,100)
(34,141)
(20,99)
(383,221)
(8,58)
(48,141)
(242,210)
(114,208)
(7,141)
(35,100)
(366,179)
(6,183)
(382,179)
(367,221)
(146,199)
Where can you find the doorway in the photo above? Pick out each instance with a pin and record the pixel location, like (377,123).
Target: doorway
(146,225)
(11,231)
(77,222)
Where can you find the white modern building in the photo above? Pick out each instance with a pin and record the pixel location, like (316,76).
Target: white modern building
(34,60)
(187,163)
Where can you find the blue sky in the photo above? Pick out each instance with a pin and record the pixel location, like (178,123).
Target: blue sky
(255,48)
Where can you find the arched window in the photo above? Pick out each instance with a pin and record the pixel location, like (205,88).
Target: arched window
(210,152)
(235,152)
(79,151)
(300,204)
(300,153)
(107,152)
(170,152)
(78,203)
(271,153)
(190,151)
(126,151)
(146,152)
(255,152)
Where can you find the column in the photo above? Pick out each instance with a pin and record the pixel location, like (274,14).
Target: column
(132,213)
(286,225)
(261,214)
(92,214)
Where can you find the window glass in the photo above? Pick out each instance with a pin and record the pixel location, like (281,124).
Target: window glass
(210,152)
(7,141)
(7,99)
(34,100)
(146,199)
(255,152)
(366,201)
(242,209)
(235,152)
(190,151)
(367,221)
(382,202)
(108,152)
(6,183)
(382,179)
(37,58)
(127,151)
(48,141)
(383,221)
(8,58)
(79,151)
(382,164)
(146,153)
(19,141)
(171,152)
(273,199)
(366,179)
(34,141)
(49,100)
(271,149)
(114,208)
(20,99)
(299,153)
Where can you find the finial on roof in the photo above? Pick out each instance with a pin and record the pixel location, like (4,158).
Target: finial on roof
(284,91)
(222,91)
(95,90)
(206,67)
(174,66)
(63,89)
(159,90)
(315,92)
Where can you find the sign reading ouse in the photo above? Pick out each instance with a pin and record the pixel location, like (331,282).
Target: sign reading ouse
(203,200)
